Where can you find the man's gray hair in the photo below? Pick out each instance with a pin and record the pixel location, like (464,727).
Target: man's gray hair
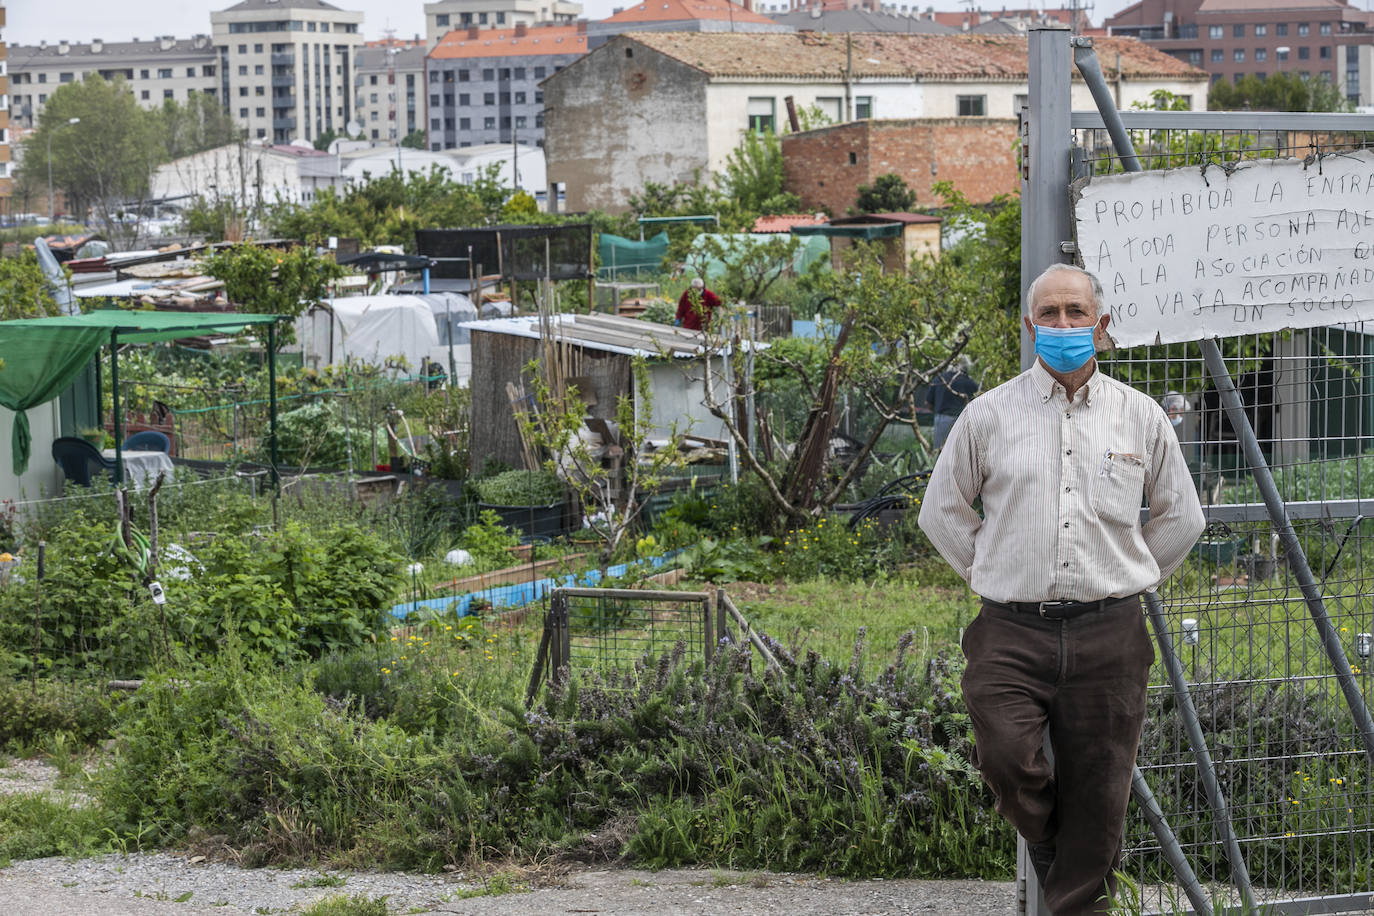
(698,283)
(1093,282)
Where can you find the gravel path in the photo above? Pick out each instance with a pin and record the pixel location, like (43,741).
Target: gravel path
(162,884)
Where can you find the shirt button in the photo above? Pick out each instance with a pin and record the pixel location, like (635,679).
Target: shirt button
(1066,563)
(1066,524)
(1069,452)
(1066,415)
(1068,489)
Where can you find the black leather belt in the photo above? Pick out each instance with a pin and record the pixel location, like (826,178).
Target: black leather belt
(1058,610)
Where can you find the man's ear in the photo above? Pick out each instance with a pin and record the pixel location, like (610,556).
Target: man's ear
(1101,339)
(1030,328)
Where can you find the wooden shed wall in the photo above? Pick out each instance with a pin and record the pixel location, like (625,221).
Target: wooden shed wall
(501,358)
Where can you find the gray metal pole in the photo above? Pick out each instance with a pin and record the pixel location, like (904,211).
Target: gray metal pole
(1292,547)
(1045,169)
(1168,843)
(1240,874)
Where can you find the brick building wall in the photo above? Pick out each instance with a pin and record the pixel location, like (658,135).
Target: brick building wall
(825,167)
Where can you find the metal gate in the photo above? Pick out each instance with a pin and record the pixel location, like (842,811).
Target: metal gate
(1254,776)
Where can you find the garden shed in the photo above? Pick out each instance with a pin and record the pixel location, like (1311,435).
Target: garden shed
(900,236)
(370,329)
(598,354)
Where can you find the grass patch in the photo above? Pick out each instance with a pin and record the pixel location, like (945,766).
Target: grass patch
(345,905)
(35,826)
(321,880)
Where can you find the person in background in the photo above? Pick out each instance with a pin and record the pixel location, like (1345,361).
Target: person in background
(1062,457)
(696,306)
(948,393)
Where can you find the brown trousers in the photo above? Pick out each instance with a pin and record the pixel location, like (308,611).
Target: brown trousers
(1085,679)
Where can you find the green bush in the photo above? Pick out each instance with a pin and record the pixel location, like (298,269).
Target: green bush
(34,715)
(521,488)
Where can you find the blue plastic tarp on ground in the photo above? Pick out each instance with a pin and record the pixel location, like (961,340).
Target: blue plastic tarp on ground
(522,593)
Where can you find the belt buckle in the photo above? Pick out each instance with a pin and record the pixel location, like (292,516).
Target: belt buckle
(1053,604)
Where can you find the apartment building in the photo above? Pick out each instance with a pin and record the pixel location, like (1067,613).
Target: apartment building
(1230,39)
(483,84)
(287,66)
(389,89)
(6,164)
(446,15)
(157,69)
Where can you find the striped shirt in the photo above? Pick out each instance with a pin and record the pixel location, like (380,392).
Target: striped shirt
(1061,485)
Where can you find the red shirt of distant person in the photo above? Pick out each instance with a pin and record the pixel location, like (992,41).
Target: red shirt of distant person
(695,307)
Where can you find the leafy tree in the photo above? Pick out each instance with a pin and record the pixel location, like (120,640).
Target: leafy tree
(888,194)
(200,123)
(323,140)
(24,291)
(104,160)
(1280,92)
(753,175)
(273,280)
(414,140)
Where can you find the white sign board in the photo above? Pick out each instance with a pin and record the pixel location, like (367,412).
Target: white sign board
(1185,254)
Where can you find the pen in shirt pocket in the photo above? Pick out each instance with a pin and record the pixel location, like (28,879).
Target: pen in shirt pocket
(1111,458)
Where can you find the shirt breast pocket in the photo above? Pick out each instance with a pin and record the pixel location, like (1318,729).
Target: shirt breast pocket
(1118,489)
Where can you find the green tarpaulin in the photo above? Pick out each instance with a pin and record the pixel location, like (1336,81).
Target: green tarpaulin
(859,231)
(39,357)
(735,245)
(621,254)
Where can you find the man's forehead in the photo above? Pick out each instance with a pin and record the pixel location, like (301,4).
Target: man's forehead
(1065,288)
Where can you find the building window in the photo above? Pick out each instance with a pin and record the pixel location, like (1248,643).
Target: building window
(207,70)
(1237,31)
(539,73)
(373,98)
(520,96)
(500,17)
(489,124)
(863,107)
(372,80)
(373,116)
(1324,28)
(1214,31)
(505,121)
(1261,75)
(505,73)
(465,123)
(1238,55)
(467,18)
(481,18)
(488,74)
(519,73)
(190,72)
(435,123)
(434,99)
(257,49)
(434,76)
(520,122)
(1261,30)
(1304,53)
(464,99)
(441,20)
(259,90)
(243,49)
(243,91)
(43,77)
(67,77)
(463,76)
(1324,52)
(539,96)
(972,106)
(503,98)
(1216,55)
(760,112)
(1261,54)
(1281,30)
(539,120)
(488,98)
(257,70)
(243,69)
(166,93)
(144,95)
(310,26)
(262,112)
(1303,30)
(243,112)
(1281,54)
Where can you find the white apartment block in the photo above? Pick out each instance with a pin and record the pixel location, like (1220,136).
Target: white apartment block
(389,90)
(163,68)
(443,16)
(287,66)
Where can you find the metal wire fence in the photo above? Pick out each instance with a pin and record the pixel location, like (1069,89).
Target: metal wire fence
(1288,756)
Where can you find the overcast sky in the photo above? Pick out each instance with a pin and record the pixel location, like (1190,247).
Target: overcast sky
(30,21)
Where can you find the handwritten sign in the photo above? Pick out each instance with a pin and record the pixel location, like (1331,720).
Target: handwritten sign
(1185,254)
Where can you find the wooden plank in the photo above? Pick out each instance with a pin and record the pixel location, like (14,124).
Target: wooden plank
(511,575)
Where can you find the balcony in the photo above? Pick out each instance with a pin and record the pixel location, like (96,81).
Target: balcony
(1186,31)
(283,81)
(287,59)
(286,102)
(283,123)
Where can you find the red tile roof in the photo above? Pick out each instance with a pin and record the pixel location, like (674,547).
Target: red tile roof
(544,39)
(786,221)
(679,10)
(931,57)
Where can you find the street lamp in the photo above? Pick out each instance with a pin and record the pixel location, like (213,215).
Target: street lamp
(50,134)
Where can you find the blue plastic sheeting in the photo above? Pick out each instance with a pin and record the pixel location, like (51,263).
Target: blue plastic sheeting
(523,593)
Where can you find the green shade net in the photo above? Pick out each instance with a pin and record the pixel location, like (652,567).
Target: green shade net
(40,357)
(738,244)
(854,231)
(621,254)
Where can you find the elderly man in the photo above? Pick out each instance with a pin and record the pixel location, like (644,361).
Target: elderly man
(695,307)
(1061,456)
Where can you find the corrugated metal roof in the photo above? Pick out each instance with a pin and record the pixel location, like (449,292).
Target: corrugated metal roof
(606,333)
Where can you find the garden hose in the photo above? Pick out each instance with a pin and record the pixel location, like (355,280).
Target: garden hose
(136,557)
(897,494)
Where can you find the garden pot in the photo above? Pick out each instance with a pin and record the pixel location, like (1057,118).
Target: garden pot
(533,521)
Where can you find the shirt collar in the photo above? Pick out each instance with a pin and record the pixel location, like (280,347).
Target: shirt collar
(1045,384)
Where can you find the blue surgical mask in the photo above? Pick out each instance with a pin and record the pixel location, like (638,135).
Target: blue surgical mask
(1064,349)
